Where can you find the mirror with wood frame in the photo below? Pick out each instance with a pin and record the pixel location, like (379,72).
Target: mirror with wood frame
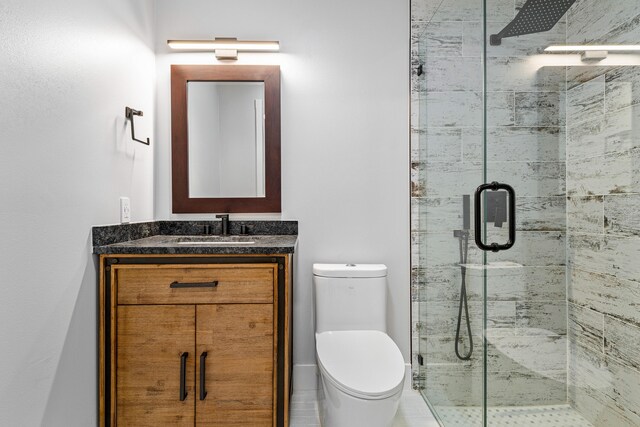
(225,138)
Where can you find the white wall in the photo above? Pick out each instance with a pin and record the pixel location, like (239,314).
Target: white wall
(345,131)
(69,68)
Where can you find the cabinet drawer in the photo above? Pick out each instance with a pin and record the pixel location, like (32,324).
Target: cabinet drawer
(195,284)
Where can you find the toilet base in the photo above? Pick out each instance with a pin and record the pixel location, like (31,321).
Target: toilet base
(338,409)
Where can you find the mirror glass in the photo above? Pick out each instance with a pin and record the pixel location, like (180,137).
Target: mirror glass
(226,139)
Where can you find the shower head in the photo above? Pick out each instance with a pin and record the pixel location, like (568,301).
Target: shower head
(535,16)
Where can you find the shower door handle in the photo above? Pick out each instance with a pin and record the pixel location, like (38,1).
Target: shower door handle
(477,203)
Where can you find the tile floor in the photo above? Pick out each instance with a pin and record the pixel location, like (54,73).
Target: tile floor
(412,412)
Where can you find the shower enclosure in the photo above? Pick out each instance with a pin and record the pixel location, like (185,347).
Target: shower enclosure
(525,211)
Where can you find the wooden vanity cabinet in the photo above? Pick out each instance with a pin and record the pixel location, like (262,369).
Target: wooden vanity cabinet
(195,340)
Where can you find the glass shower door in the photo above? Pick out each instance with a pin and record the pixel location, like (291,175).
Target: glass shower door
(447,165)
(561,129)
(521,214)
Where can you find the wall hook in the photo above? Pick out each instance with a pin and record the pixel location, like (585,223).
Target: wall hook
(129,113)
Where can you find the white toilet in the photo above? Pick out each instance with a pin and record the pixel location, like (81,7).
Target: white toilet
(361,369)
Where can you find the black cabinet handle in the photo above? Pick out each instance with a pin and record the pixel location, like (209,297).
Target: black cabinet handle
(203,392)
(495,247)
(178,285)
(183,376)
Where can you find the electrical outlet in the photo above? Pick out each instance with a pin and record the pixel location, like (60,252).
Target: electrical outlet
(125,210)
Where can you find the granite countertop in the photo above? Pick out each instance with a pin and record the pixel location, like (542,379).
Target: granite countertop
(185,237)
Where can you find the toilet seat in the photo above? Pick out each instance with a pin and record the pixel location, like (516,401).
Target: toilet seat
(363,364)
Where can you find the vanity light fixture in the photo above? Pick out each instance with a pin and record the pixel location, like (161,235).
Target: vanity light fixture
(225,48)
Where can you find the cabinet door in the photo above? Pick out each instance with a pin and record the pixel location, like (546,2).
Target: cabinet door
(239,366)
(150,343)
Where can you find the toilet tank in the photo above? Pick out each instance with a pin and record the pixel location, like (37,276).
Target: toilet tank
(350,297)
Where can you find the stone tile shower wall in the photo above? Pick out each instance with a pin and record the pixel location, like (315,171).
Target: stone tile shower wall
(603,204)
(526,300)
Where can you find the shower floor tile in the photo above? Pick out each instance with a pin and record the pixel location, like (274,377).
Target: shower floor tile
(550,415)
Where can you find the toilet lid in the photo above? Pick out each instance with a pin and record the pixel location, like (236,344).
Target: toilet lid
(351,271)
(364,363)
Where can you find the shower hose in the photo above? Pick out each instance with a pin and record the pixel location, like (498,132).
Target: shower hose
(463,238)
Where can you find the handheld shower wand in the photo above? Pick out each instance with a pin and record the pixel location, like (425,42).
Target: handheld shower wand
(463,241)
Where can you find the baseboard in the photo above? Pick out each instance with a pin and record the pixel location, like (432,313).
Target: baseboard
(305,377)
(407,376)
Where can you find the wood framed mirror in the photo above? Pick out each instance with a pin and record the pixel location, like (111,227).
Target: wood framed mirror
(225,138)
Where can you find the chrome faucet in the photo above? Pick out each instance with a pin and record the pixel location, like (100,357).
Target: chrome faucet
(225,223)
